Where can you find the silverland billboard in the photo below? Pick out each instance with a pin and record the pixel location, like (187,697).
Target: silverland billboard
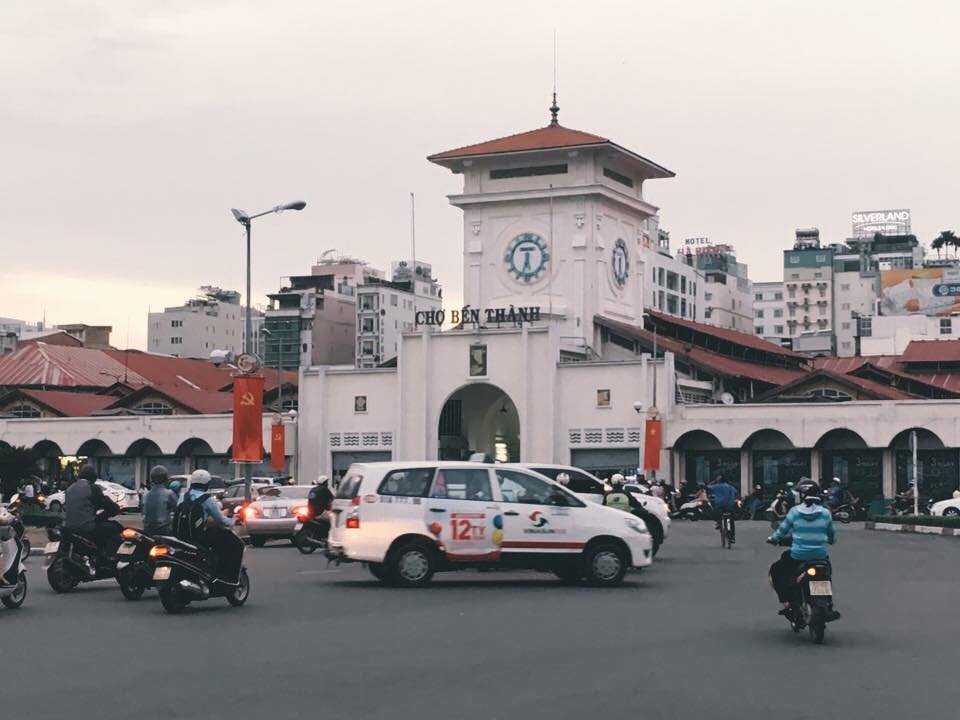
(886,222)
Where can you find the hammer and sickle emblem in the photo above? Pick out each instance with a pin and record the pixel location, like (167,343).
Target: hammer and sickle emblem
(246,400)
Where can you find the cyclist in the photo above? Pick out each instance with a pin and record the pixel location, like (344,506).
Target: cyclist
(723,497)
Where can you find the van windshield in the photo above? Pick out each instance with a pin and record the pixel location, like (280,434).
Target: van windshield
(349,487)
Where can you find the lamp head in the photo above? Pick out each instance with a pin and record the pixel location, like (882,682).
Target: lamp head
(240,216)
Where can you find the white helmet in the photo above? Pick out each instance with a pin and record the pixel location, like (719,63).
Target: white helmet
(322,480)
(617,480)
(563,479)
(199,478)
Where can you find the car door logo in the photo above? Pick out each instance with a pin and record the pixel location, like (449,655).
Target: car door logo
(537,518)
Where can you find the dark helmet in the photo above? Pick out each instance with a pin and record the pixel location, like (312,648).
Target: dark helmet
(810,492)
(88,472)
(158,476)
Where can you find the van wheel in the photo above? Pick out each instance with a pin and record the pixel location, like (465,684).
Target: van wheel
(605,565)
(410,564)
(379,572)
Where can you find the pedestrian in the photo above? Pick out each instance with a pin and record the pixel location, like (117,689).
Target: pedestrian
(159,504)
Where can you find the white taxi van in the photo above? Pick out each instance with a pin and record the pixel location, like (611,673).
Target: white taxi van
(410,520)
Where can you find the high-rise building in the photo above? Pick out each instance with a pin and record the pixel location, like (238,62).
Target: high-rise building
(388,308)
(727,292)
(211,321)
(769,311)
(670,285)
(808,284)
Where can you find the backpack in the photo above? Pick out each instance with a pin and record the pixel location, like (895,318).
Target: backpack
(189,519)
(618,500)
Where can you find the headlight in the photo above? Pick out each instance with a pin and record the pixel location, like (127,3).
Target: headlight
(636,525)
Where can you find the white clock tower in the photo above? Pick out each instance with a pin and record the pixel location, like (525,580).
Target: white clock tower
(555,218)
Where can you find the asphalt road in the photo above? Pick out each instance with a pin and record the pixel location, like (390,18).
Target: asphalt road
(694,636)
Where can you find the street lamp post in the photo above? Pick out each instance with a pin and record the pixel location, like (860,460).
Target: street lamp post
(244,219)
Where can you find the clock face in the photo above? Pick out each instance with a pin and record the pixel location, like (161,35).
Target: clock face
(527,257)
(620,263)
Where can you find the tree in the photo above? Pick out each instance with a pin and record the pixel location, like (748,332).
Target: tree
(946,239)
(16,463)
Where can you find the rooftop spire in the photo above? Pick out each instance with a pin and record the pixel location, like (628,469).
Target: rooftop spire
(554,110)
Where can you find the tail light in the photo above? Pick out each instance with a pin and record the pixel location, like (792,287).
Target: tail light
(159,551)
(302,513)
(353,523)
(129,534)
(355,501)
(249,512)
(811,572)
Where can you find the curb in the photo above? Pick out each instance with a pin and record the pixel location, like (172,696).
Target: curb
(916,529)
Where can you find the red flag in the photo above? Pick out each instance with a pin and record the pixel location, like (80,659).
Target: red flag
(248,418)
(651,445)
(277,435)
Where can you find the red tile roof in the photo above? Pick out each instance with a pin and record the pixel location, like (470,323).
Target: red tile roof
(734,336)
(552,136)
(932,351)
(54,338)
(714,362)
(892,364)
(67,404)
(201,402)
(884,392)
(41,364)
(171,372)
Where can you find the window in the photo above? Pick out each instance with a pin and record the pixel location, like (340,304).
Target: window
(366,325)
(393,300)
(366,347)
(845,345)
(505,173)
(603,398)
(672,305)
(946,326)
(794,259)
(579,482)
(778,329)
(794,276)
(793,312)
(829,394)
(778,313)
(406,483)
(866,327)
(661,297)
(176,341)
(758,313)
(478,360)
(818,275)
(845,306)
(683,307)
(617,177)
(758,330)
(519,487)
(176,323)
(366,302)
(845,286)
(821,258)
(845,326)
(462,485)
(671,281)
(155,407)
(683,284)
(758,296)
(693,288)
(778,296)
(708,296)
(24,411)
(660,276)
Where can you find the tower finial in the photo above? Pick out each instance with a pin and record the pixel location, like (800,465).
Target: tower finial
(554,109)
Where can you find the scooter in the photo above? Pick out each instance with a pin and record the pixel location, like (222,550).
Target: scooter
(310,532)
(184,574)
(12,556)
(134,565)
(816,604)
(851,510)
(695,510)
(75,559)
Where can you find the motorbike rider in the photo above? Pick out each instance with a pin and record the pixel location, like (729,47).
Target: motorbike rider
(811,525)
(159,504)
(87,511)
(755,501)
(835,494)
(616,497)
(723,497)
(564,479)
(227,548)
(10,548)
(320,496)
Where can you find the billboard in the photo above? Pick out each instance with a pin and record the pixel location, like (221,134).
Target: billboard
(930,291)
(867,223)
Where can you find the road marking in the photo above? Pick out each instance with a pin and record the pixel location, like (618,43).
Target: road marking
(317,572)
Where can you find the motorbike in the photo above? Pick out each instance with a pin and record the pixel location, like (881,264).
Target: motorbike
(134,565)
(14,507)
(816,604)
(75,559)
(12,537)
(311,531)
(695,510)
(852,509)
(184,573)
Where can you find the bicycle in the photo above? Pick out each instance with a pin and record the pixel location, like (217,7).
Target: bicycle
(725,541)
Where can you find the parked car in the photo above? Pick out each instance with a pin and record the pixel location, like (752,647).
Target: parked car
(591,488)
(122,496)
(410,520)
(216,488)
(946,508)
(236,496)
(273,515)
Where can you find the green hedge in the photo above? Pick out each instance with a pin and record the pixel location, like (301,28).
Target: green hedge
(928,520)
(42,518)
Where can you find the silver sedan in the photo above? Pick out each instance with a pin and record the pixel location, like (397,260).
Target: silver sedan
(273,515)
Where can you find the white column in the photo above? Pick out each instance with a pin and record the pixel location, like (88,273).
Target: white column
(746,472)
(889,473)
(815,465)
(524,406)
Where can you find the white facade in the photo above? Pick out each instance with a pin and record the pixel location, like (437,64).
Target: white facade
(211,322)
(890,334)
(855,295)
(729,304)
(670,285)
(769,311)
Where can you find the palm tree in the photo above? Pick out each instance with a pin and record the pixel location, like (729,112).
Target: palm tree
(946,239)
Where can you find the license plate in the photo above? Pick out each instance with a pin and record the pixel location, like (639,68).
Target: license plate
(127,548)
(162,573)
(51,548)
(821,588)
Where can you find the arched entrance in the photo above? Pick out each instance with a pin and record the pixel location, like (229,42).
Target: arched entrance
(775,461)
(937,467)
(479,418)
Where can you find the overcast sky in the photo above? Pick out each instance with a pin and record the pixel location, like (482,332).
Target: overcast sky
(129,129)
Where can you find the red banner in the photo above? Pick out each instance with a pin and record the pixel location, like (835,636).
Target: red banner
(248,418)
(277,435)
(651,445)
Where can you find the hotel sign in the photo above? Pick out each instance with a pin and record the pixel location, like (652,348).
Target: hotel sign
(887,222)
(478,316)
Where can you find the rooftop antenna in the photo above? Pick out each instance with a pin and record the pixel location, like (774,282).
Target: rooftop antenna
(413,236)
(554,108)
